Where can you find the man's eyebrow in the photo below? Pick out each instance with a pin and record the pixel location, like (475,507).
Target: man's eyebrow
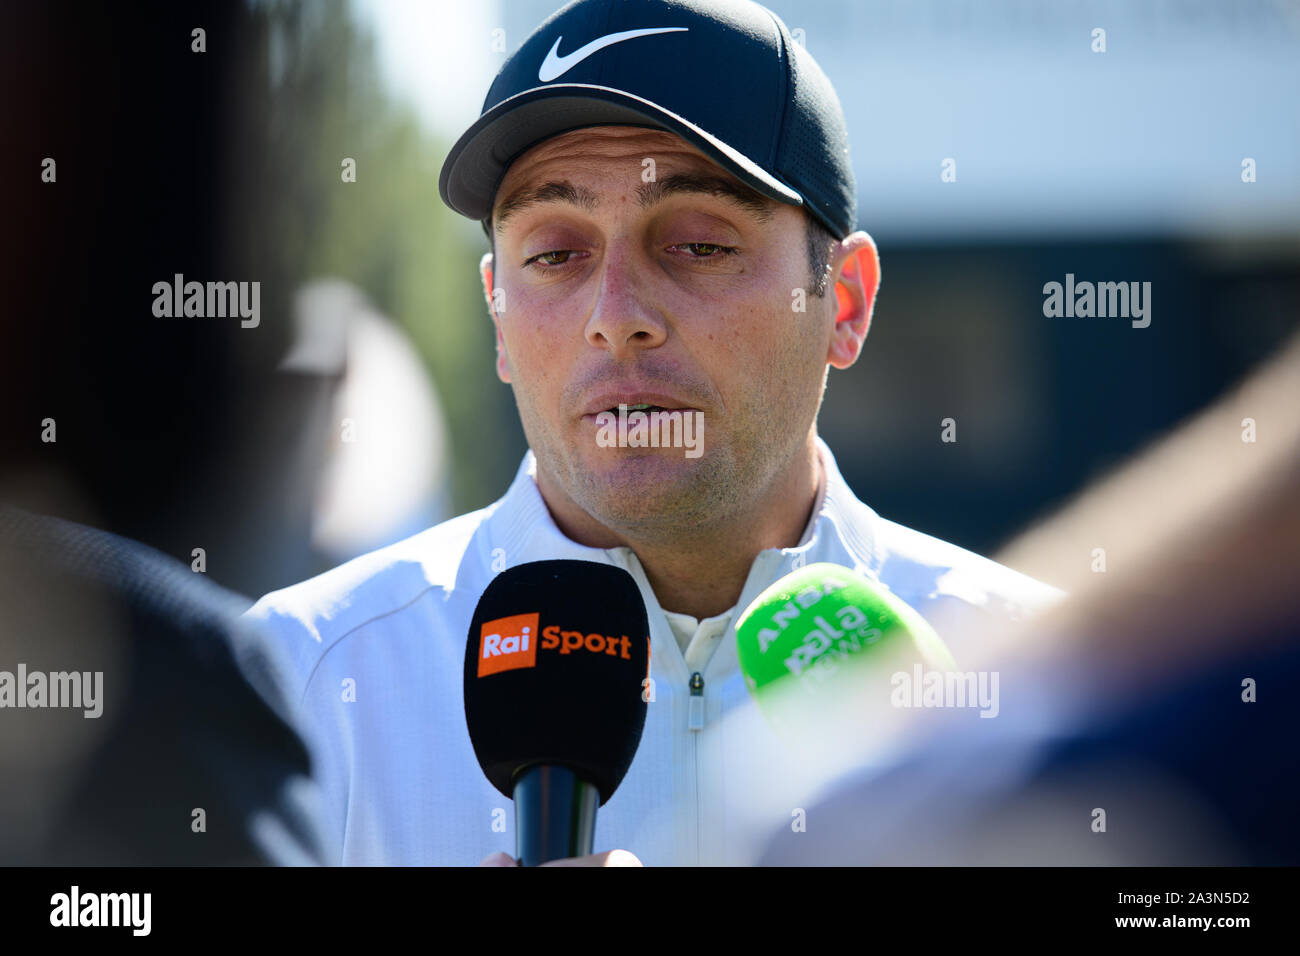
(647,195)
(679,183)
(555,191)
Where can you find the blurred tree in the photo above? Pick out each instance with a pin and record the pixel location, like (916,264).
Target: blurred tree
(388,232)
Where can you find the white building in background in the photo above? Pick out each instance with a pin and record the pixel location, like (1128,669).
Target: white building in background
(385,474)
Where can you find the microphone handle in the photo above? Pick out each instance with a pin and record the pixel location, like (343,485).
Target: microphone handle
(555,815)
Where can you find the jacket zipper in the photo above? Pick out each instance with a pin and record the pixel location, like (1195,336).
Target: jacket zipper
(696,723)
(696,717)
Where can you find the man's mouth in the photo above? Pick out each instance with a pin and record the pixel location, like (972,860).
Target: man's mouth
(639,407)
(634,399)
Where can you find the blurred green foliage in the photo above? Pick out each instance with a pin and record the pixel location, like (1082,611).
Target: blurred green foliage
(388,232)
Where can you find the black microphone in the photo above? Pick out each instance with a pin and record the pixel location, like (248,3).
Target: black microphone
(556,661)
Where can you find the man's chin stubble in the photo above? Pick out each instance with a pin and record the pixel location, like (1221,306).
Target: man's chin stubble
(654,502)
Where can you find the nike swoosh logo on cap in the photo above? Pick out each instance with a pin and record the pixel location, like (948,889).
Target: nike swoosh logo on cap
(555,66)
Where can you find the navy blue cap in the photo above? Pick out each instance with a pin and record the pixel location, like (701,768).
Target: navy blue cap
(724,75)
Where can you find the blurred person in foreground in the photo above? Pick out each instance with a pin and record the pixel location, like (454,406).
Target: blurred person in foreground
(1148,720)
(659,246)
(140,719)
(140,722)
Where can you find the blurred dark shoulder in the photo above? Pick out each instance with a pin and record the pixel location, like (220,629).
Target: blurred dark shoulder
(192,757)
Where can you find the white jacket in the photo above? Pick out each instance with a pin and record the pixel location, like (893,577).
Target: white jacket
(376,650)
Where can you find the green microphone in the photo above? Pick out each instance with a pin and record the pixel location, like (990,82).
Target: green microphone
(824,638)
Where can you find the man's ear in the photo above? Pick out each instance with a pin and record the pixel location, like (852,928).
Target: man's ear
(855,271)
(485,270)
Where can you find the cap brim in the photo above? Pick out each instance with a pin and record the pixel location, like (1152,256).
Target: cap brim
(477,163)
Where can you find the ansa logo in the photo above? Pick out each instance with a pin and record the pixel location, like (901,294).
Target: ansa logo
(509,643)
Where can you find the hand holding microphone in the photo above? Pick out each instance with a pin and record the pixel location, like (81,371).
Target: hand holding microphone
(609,858)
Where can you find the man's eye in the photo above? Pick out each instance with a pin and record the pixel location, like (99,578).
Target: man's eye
(556,257)
(706,250)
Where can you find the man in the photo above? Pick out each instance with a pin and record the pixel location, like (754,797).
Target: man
(657,181)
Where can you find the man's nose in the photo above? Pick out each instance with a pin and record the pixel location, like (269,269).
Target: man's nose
(624,318)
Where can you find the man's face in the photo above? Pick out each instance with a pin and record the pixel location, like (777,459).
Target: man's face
(669,292)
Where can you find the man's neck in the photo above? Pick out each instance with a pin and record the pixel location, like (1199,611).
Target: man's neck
(702,572)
